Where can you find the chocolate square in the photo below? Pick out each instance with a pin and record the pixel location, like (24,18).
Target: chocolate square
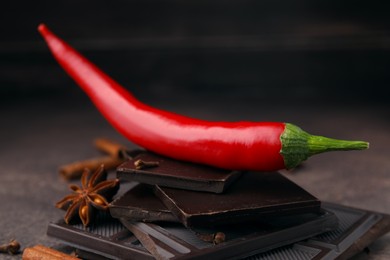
(175,241)
(108,238)
(177,174)
(140,204)
(255,195)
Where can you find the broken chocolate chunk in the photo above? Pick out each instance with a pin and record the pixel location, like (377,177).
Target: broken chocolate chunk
(255,195)
(108,238)
(176,174)
(140,204)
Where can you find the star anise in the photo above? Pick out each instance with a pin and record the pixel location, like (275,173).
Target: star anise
(94,193)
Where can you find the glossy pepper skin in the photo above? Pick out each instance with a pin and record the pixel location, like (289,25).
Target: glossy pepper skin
(258,146)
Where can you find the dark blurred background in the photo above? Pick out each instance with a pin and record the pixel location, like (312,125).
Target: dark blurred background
(321,51)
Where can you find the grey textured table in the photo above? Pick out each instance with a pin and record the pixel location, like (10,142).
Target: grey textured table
(39,135)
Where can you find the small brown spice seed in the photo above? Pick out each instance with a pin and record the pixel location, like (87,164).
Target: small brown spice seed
(98,201)
(215,238)
(11,247)
(219,237)
(140,164)
(84,211)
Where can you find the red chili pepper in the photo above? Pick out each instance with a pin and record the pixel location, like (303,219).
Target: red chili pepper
(260,146)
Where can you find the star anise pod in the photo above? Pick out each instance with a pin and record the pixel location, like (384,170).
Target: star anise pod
(94,193)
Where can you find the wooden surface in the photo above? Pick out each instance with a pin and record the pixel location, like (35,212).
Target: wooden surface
(39,135)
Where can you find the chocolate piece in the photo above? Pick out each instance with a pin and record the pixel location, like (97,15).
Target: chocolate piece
(110,239)
(357,229)
(180,242)
(177,174)
(254,195)
(149,238)
(106,237)
(140,204)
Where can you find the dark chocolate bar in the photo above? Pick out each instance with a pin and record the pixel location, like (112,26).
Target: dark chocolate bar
(105,237)
(357,229)
(173,241)
(178,241)
(140,204)
(177,174)
(255,195)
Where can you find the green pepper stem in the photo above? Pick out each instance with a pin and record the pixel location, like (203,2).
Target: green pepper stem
(319,144)
(298,145)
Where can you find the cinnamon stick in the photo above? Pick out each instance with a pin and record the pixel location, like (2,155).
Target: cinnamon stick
(41,252)
(74,170)
(110,147)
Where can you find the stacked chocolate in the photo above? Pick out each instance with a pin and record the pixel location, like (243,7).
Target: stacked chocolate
(201,196)
(214,205)
(168,209)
